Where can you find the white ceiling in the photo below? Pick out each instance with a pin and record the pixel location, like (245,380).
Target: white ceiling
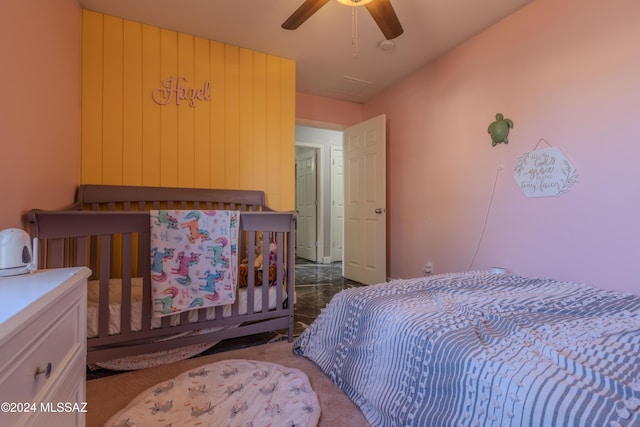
(328,62)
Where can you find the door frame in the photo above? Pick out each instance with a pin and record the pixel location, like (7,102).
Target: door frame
(319,196)
(333,223)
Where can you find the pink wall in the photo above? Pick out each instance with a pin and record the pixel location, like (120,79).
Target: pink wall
(40,109)
(563,70)
(312,109)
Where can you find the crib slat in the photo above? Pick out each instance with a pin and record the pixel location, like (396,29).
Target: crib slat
(280,269)
(251,277)
(145,254)
(93,253)
(165,321)
(265,273)
(55,258)
(184,317)
(81,251)
(202,315)
(125,308)
(219,312)
(105,263)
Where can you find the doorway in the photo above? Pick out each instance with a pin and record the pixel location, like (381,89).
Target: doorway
(328,226)
(358,235)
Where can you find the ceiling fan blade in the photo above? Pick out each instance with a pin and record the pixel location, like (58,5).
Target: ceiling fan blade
(304,12)
(386,18)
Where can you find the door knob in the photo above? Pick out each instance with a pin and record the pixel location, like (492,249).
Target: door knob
(46,371)
(378,211)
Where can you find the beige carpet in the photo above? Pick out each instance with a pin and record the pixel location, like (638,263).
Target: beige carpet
(106,396)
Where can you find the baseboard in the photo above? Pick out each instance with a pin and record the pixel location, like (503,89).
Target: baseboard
(326,260)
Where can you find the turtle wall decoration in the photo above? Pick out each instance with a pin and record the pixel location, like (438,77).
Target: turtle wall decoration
(499,130)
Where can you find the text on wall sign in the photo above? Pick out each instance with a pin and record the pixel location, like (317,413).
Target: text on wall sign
(175,89)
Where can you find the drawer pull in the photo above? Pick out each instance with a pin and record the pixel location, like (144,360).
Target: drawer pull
(46,372)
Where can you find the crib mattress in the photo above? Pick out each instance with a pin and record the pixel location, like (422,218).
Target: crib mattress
(150,360)
(115,296)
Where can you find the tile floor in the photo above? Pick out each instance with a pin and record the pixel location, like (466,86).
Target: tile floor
(316,284)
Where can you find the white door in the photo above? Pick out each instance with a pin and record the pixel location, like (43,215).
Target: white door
(365,228)
(306,205)
(337,203)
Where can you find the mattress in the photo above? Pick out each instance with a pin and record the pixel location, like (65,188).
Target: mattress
(164,357)
(482,349)
(115,296)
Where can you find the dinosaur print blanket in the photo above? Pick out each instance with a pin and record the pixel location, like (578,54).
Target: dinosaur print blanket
(194,259)
(230,393)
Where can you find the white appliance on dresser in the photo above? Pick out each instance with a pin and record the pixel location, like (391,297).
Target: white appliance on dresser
(43,348)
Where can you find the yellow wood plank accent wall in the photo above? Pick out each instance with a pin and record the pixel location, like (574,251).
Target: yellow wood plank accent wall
(241,138)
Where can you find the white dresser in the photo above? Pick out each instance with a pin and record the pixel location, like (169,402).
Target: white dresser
(43,348)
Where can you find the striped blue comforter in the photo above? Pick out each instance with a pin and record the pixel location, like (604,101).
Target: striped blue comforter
(478,349)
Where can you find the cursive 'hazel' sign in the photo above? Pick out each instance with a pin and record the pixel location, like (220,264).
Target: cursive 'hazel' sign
(544,173)
(173,89)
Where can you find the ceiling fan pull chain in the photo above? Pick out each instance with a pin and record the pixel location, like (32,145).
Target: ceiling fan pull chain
(354,30)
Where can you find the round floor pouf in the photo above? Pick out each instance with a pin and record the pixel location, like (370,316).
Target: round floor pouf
(226,393)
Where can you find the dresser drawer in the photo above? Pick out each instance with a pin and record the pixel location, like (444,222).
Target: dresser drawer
(47,343)
(63,404)
(43,323)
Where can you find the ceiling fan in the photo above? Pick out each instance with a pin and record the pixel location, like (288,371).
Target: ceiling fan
(381,11)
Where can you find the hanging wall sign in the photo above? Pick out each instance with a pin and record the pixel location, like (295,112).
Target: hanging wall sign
(544,173)
(175,90)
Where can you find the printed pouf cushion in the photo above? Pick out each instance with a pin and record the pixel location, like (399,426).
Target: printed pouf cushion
(227,393)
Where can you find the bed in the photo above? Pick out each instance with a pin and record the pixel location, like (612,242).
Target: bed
(109,229)
(478,348)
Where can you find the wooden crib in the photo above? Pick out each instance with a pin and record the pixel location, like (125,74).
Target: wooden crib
(108,230)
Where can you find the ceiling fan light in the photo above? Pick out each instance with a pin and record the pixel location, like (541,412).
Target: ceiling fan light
(354,2)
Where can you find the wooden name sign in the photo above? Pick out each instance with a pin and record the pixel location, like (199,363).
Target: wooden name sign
(174,89)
